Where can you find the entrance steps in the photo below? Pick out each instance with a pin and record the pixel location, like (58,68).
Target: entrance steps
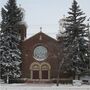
(38,81)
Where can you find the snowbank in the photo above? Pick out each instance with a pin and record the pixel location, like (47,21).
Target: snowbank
(42,87)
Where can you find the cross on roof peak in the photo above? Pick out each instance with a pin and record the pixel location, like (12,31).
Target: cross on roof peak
(40,29)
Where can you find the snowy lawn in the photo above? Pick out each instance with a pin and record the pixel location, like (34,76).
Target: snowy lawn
(42,87)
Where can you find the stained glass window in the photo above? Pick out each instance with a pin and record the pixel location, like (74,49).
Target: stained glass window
(40,53)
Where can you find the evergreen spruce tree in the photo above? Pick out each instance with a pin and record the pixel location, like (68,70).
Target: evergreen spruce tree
(10,54)
(88,71)
(75,42)
(0,45)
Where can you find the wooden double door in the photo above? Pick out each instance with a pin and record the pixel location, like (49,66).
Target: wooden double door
(40,70)
(43,74)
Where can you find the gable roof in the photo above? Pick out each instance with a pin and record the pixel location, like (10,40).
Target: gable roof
(43,35)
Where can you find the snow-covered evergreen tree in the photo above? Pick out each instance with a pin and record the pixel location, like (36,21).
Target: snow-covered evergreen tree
(75,42)
(88,71)
(10,54)
(0,45)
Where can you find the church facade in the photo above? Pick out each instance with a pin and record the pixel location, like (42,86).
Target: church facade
(40,61)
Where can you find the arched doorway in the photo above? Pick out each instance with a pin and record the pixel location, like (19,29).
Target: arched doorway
(35,70)
(45,71)
(40,71)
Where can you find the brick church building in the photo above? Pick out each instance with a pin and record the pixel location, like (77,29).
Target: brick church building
(40,57)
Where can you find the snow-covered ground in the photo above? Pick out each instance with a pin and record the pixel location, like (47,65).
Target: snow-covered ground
(42,87)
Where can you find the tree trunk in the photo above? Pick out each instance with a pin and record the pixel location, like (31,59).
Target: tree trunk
(78,76)
(74,75)
(7,79)
(0,71)
(59,68)
(57,80)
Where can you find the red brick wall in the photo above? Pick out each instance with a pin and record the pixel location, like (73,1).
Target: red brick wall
(52,47)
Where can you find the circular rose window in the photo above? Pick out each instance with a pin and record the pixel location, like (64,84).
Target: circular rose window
(40,53)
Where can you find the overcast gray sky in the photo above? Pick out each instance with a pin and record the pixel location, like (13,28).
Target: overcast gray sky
(46,13)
